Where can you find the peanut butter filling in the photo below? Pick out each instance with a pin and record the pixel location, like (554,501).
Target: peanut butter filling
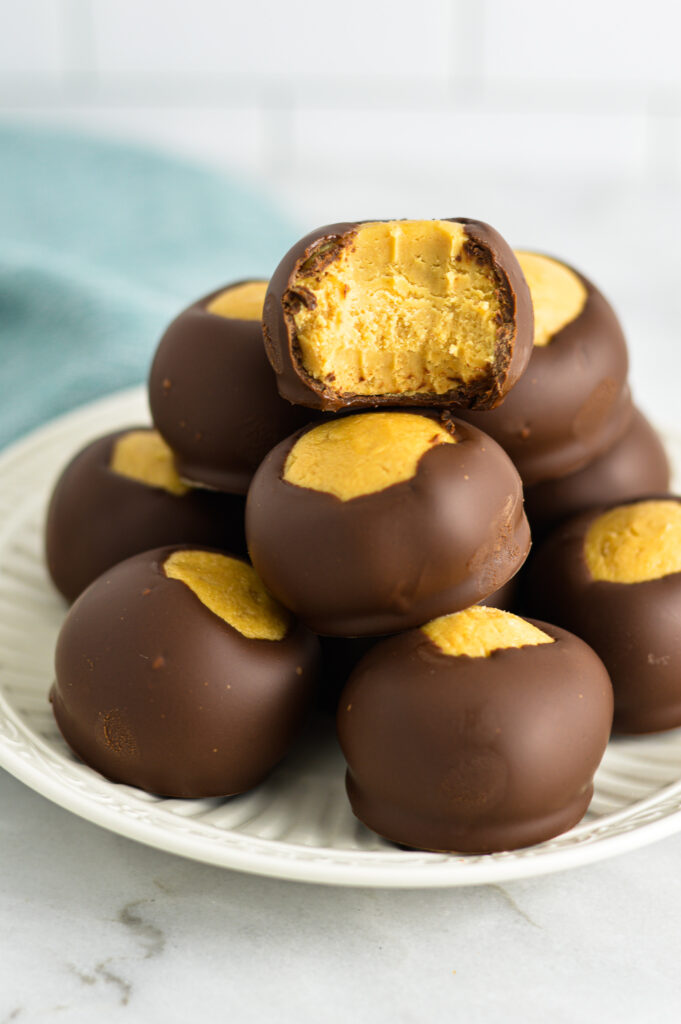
(362,454)
(232,590)
(144,456)
(478,631)
(635,543)
(558,295)
(401,309)
(242,302)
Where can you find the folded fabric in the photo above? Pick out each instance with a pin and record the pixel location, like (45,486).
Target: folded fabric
(100,245)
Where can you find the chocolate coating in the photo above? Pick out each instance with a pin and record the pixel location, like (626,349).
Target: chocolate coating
(474,755)
(154,690)
(298,386)
(572,403)
(214,399)
(340,655)
(636,465)
(97,517)
(634,627)
(446,538)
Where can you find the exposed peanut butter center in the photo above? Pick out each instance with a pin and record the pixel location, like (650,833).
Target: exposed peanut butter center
(400,309)
(144,456)
(242,302)
(232,590)
(558,295)
(478,631)
(362,454)
(635,543)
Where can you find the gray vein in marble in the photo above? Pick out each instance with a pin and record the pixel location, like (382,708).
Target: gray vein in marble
(151,938)
(149,935)
(102,972)
(512,903)
(166,889)
(123,986)
(87,979)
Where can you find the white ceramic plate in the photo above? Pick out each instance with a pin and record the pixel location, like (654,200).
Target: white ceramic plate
(298,824)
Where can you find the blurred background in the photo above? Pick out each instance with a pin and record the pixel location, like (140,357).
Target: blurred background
(559,123)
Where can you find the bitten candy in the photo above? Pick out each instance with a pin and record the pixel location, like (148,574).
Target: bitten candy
(477,733)
(177,672)
(398,312)
(121,495)
(613,576)
(213,394)
(378,522)
(573,402)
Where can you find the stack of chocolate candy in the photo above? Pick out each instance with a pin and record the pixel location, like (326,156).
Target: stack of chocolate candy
(357,421)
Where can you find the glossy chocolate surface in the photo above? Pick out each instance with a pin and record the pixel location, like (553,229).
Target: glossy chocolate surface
(298,386)
(97,517)
(636,465)
(214,398)
(340,655)
(154,690)
(474,755)
(634,627)
(438,542)
(572,403)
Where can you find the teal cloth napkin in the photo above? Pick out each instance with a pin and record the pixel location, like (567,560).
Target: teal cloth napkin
(100,246)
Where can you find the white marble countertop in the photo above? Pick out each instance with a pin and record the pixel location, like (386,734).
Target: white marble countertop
(98,928)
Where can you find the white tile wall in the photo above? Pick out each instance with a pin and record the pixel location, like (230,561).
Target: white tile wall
(583,41)
(263,38)
(559,121)
(588,87)
(225,136)
(486,141)
(31,41)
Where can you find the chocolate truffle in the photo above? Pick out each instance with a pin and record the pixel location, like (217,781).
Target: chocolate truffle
(178,673)
(573,402)
(398,312)
(477,733)
(377,522)
(212,393)
(121,495)
(341,654)
(613,576)
(634,466)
